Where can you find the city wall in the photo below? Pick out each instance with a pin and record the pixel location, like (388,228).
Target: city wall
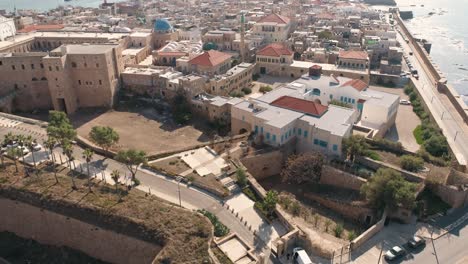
(448,90)
(51,228)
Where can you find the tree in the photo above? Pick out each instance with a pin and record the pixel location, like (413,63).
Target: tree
(181,109)
(68,151)
(436,145)
(325,35)
(60,127)
(115,176)
(241,177)
(29,143)
(15,154)
(387,188)
(88,155)
(50,145)
(301,168)
(411,163)
(265,89)
(270,201)
(355,145)
(104,137)
(131,159)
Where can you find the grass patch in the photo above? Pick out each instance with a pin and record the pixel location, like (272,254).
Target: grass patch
(417,132)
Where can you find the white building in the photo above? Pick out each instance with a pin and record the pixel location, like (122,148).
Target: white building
(7,28)
(272,28)
(279,119)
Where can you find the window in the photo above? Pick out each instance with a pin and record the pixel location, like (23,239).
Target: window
(13,67)
(353,101)
(42,65)
(57,68)
(323,144)
(79,82)
(261,130)
(335,147)
(32,66)
(316,141)
(299,132)
(331,96)
(268,136)
(100,82)
(316,92)
(22,66)
(50,68)
(97,65)
(306,133)
(73,64)
(1,63)
(290,132)
(243,118)
(256,129)
(274,138)
(341,99)
(294,131)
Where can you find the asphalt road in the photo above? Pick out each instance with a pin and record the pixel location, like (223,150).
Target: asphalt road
(453,127)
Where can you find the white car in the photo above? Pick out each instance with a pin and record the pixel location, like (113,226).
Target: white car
(405,102)
(394,253)
(300,256)
(36,147)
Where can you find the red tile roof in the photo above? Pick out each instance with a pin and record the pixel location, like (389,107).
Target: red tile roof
(31,28)
(300,105)
(275,50)
(210,58)
(354,54)
(326,16)
(356,84)
(274,18)
(171,53)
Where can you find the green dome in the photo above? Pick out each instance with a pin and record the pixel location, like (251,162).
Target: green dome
(210,46)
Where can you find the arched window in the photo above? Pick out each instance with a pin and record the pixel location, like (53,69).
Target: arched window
(43,79)
(316,92)
(34,79)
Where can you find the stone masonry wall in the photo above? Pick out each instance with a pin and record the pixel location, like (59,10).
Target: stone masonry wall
(338,178)
(264,165)
(50,228)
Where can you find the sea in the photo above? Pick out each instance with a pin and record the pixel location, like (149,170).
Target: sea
(44,5)
(443,23)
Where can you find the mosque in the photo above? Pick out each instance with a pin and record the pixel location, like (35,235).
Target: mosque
(163,32)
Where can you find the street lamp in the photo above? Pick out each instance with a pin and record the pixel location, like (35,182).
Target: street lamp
(179,179)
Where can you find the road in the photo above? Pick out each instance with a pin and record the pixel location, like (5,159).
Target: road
(165,188)
(448,119)
(450,247)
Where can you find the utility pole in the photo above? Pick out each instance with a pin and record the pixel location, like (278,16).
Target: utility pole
(179,179)
(381,250)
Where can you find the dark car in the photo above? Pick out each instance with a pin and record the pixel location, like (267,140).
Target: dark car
(394,253)
(416,242)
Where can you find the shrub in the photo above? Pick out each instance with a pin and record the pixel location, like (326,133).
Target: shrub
(351,235)
(388,145)
(265,89)
(413,96)
(220,230)
(437,146)
(247,90)
(408,89)
(417,132)
(339,103)
(250,194)
(236,94)
(338,230)
(373,155)
(295,208)
(411,163)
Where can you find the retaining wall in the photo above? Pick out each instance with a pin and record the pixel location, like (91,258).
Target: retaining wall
(358,241)
(264,165)
(375,165)
(50,228)
(342,179)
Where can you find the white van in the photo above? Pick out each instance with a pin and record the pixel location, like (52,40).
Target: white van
(300,256)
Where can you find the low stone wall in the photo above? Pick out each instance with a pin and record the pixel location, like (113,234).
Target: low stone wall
(452,195)
(374,164)
(351,211)
(264,165)
(358,241)
(25,119)
(342,179)
(55,229)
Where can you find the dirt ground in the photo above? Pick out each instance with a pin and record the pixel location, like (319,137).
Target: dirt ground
(147,130)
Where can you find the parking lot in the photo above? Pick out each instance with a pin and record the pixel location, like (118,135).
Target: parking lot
(406,121)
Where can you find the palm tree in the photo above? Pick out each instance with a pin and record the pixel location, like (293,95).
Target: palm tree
(88,155)
(50,144)
(9,138)
(14,153)
(115,175)
(68,151)
(28,142)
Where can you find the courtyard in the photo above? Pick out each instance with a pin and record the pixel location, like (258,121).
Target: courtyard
(145,129)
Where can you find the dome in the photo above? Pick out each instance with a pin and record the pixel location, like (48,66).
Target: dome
(162,25)
(210,46)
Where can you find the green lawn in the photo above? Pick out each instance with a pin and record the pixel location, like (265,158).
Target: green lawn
(417,132)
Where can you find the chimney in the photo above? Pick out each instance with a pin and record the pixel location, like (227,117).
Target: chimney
(315,71)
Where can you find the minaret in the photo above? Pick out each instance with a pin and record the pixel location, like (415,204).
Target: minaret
(242,35)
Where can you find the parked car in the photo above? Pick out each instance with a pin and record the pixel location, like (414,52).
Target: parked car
(416,242)
(394,253)
(36,147)
(405,102)
(300,256)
